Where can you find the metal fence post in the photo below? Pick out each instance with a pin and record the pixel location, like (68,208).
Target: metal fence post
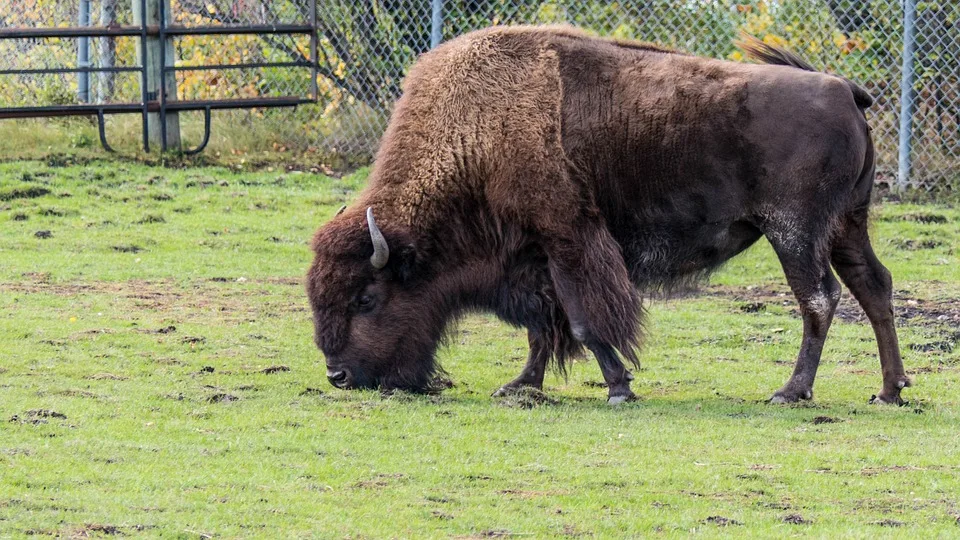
(83,54)
(314,54)
(907,94)
(158,52)
(169,120)
(436,23)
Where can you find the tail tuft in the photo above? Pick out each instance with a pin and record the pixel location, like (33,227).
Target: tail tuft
(765,53)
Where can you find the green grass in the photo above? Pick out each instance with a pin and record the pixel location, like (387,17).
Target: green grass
(242,140)
(148,316)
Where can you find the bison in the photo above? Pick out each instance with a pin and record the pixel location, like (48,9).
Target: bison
(555,178)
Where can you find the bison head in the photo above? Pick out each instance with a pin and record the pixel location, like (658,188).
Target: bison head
(374,319)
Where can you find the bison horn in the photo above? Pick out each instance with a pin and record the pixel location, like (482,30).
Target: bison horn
(381,252)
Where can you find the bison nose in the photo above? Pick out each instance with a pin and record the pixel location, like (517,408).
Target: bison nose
(336,377)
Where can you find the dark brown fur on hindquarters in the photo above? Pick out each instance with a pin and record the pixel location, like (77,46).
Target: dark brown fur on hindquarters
(546,176)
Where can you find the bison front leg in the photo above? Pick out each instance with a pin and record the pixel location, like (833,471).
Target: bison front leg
(534,370)
(616,375)
(600,302)
(585,262)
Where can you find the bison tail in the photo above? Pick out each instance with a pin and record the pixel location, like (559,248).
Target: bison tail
(765,53)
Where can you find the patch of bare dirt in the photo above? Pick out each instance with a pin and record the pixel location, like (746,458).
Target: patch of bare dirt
(40,532)
(825,420)
(96,529)
(36,416)
(909,309)
(921,217)
(573,532)
(530,494)
(753,307)
(70,393)
(721,521)
(274,369)
(150,218)
(873,471)
(26,192)
(909,244)
(945,345)
(379,481)
(795,519)
(106,377)
(194,301)
(495,533)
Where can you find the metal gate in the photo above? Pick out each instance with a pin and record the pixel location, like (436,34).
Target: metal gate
(160,102)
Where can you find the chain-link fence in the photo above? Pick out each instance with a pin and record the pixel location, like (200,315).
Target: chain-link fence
(365,47)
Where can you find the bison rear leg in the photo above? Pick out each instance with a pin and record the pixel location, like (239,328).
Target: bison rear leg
(818,292)
(534,370)
(871,284)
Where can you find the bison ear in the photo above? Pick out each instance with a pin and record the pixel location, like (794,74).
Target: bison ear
(407,265)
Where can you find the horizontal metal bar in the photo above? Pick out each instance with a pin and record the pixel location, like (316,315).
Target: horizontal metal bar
(43,71)
(252,65)
(69,110)
(152,30)
(75,31)
(238,103)
(152,106)
(178,30)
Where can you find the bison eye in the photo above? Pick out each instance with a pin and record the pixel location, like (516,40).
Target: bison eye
(365,303)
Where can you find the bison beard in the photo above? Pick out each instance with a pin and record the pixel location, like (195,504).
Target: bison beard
(552,177)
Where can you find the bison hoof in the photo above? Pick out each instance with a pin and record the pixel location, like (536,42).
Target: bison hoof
(886,400)
(791,396)
(616,400)
(890,395)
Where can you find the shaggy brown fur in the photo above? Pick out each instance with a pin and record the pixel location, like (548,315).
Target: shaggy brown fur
(547,175)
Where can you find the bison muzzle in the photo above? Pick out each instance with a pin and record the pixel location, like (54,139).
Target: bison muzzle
(554,178)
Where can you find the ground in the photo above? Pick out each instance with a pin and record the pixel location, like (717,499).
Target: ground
(158,378)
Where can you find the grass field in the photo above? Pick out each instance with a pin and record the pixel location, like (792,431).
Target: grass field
(158,378)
